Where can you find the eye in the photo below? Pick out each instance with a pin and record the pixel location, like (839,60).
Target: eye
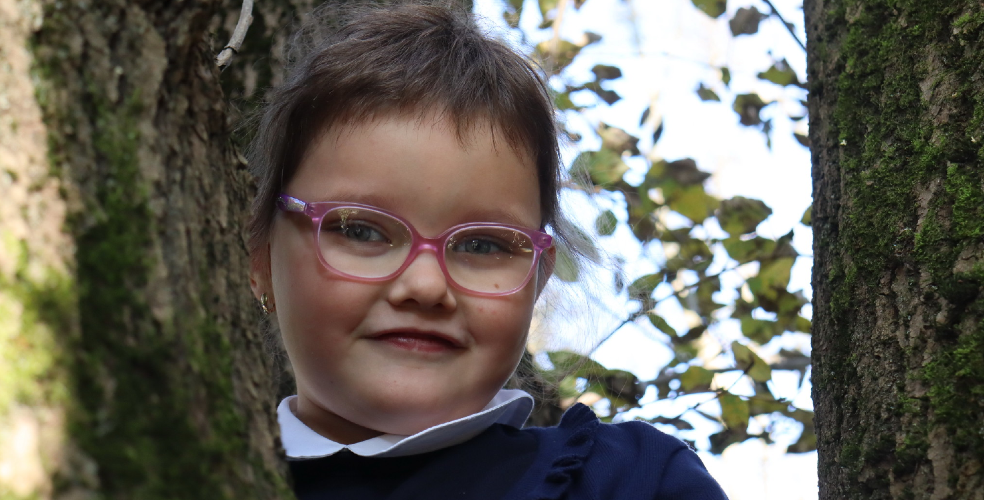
(479,245)
(357,231)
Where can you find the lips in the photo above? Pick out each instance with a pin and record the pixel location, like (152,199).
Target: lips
(417,340)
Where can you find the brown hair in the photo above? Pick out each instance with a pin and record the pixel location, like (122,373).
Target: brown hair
(350,65)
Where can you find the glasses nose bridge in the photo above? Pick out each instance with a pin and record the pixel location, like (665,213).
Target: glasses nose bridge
(423,244)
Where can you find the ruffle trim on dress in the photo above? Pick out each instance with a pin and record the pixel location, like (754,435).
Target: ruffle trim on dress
(582,423)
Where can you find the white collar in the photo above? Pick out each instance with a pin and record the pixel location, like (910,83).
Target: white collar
(510,407)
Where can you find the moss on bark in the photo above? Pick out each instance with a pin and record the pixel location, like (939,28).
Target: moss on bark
(897,127)
(171,387)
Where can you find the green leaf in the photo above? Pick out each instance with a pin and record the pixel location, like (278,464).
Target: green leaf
(608,96)
(678,423)
(773,275)
(744,251)
(668,175)
(566,268)
(763,404)
(751,363)
(726,77)
(564,102)
(566,363)
(807,440)
(714,8)
(603,167)
(735,411)
(644,286)
(558,53)
(721,440)
(741,215)
(803,325)
(780,74)
(706,94)
(696,379)
(759,330)
(803,139)
(618,140)
(606,223)
(693,203)
(807,216)
(605,72)
(706,290)
(748,106)
(745,21)
(661,324)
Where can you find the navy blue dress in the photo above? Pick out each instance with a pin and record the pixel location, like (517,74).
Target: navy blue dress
(580,459)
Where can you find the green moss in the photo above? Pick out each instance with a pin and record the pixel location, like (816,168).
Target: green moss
(35,305)
(153,397)
(966,190)
(893,150)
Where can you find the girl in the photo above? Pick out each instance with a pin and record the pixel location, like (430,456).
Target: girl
(408,173)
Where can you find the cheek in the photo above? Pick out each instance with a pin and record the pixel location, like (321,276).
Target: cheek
(311,304)
(503,323)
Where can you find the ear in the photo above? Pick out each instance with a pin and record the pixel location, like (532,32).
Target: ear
(260,273)
(546,264)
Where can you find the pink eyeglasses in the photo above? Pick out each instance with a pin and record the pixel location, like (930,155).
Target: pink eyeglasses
(367,244)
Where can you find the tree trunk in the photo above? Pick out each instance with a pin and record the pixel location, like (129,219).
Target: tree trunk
(896,124)
(132,360)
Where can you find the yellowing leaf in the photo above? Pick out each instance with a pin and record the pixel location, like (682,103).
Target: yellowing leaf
(780,73)
(714,8)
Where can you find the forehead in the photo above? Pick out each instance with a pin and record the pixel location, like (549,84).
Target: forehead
(424,168)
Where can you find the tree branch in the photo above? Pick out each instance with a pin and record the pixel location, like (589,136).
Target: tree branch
(789,28)
(246,17)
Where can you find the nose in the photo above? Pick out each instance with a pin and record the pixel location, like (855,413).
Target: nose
(423,285)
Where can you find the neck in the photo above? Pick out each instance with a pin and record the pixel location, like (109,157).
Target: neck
(329,424)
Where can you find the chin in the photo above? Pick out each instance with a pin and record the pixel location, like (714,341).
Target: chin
(406,416)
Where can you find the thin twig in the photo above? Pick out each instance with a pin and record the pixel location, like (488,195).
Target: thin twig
(246,17)
(787,26)
(556,25)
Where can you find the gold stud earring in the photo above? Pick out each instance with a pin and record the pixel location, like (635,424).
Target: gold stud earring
(264,300)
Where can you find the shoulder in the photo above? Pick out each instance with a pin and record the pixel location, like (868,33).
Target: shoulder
(631,457)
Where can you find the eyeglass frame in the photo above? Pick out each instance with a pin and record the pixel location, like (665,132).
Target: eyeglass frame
(316,211)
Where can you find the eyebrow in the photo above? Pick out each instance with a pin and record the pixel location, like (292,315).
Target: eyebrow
(497,215)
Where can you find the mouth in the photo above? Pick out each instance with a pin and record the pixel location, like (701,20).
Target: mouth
(417,340)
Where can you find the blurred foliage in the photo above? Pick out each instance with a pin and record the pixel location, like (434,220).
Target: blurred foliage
(696,256)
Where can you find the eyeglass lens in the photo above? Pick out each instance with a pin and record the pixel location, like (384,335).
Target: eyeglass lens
(369,244)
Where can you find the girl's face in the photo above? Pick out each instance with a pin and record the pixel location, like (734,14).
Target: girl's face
(353,380)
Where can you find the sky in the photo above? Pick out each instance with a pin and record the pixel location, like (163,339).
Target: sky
(665,49)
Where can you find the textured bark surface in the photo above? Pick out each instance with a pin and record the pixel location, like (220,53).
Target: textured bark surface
(896,124)
(139,368)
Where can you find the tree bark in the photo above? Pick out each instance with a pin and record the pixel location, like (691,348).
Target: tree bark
(134,365)
(896,125)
